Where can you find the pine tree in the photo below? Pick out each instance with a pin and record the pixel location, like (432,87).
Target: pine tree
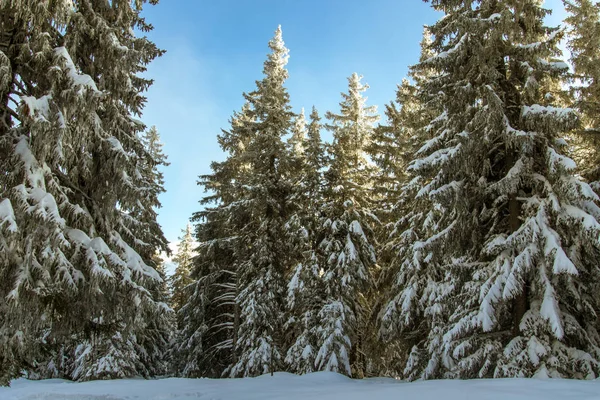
(305,288)
(77,225)
(181,278)
(347,244)
(502,261)
(261,276)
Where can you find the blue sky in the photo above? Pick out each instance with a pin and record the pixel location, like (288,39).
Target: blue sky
(215,51)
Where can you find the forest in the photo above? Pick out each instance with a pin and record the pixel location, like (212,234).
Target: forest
(456,236)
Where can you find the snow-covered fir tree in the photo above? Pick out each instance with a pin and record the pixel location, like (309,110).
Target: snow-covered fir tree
(77,228)
(413,113)
(347,245)
(501,268)
(305,288)
(259,346)
(154,332)
(210,318)
(181,277)
(583,22)
(394,141)
(388,150)
(393,146)
(233,321)
(151,166)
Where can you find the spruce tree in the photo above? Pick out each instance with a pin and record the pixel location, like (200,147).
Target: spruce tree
(347,245)
(502,264)
(583,41)
(236,311)
(210,317)
(305,288)
(181,277)
(153,332)
(402,328)
(77,225)
(261,276)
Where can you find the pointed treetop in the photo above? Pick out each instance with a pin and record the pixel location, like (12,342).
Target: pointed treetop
(314,114)
(278,59)
(354,81)
(298,134)
(314,128)
(356,87)
(187,238)
(426,43)
(353,104)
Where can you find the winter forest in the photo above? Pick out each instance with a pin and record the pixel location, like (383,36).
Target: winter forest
(455,236)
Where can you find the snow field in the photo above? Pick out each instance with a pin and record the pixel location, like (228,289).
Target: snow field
(321,385)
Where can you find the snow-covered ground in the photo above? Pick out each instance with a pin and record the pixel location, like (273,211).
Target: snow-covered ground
(323,385)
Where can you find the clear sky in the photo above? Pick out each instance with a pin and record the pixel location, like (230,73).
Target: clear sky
(216,49)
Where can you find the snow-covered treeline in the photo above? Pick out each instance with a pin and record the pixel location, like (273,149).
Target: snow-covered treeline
(458,238)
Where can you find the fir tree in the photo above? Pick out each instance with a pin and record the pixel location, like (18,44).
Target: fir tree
(153,333)
(347,244)
(181,278)
(261,276)
(77,225)
(402,328)
(305,288)
(583,23)
(502,261)
(210,317)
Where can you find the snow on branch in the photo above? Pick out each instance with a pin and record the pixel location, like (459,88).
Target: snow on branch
(7,216)
(77,78)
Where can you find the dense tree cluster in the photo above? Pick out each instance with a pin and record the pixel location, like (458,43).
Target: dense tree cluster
(458,238)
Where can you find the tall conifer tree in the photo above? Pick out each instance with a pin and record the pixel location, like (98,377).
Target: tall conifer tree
(210,318)
(181,277)
(261,276)
(583,41)
(502,262)
(305,288)
(347,245)
(77,225)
